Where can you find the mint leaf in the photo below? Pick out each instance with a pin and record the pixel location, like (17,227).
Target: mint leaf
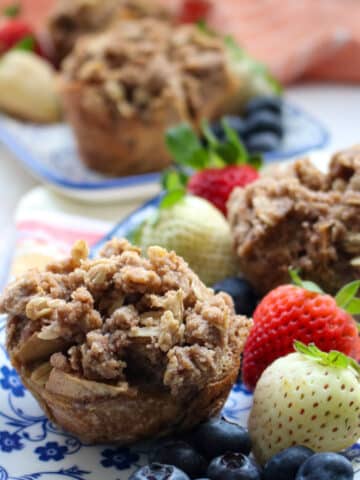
(184,145)
(12,11)
(348,293)
(307,285)
(26,44)
(172,197)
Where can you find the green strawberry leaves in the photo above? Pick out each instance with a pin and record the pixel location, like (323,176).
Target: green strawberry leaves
(190,153)
(12,11)
(332,359)
(203,26)
(174,183)
(307,285)
(174,180)
(185,146)
(347,300)
(26,44)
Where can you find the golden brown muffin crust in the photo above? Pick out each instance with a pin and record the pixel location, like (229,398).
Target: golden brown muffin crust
(99,341)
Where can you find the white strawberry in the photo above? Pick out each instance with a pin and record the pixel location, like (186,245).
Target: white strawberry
(196,231)
(308,398)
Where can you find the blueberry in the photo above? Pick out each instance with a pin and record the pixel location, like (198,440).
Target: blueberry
(242,293)
(236,123)
(285,464)
(181,455)
(217,436)
(272,104)
(157,471)
(264,121)
(262,142)
(326,466)
(233,466)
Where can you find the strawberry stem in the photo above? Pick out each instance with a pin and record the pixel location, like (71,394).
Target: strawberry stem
(174,182)
(26,44)
(12,11)
(332,359)
(297,280)
(346,298)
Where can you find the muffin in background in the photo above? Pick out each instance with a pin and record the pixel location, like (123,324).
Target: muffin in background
(303,219)
(71,19)
(122,89)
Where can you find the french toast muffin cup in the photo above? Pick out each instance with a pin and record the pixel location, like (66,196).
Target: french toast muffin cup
(122,89)
(301,218)
(71,19)
(123,348)
(116,144)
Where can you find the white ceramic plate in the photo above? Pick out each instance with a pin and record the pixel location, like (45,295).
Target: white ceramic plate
(49,153)
(32,448)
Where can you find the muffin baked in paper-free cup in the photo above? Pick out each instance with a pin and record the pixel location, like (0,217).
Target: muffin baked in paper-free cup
(99,341)
(124,88)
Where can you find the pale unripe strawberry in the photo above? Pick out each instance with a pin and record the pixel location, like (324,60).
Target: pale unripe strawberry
(307,398)
(196,231)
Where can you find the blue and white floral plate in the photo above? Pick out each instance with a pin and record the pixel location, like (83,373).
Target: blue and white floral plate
(32,448)
(49,153)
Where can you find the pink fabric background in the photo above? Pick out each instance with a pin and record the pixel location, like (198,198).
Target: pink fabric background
(297,38)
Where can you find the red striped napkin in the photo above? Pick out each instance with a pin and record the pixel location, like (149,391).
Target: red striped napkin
(42,237)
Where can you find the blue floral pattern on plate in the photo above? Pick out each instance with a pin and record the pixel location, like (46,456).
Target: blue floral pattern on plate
(32,448)
(51,451)
(11,381)
(50,153)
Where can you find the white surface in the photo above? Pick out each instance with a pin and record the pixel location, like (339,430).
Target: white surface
(336,106)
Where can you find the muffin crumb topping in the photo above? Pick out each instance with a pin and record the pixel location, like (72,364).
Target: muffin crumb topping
(126,318)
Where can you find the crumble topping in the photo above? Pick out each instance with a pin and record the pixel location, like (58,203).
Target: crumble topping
(126,318)
(301,218)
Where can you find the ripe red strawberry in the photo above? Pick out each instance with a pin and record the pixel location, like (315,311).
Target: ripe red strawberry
(291,313)
(13,31)
(194,10)
(216,184)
